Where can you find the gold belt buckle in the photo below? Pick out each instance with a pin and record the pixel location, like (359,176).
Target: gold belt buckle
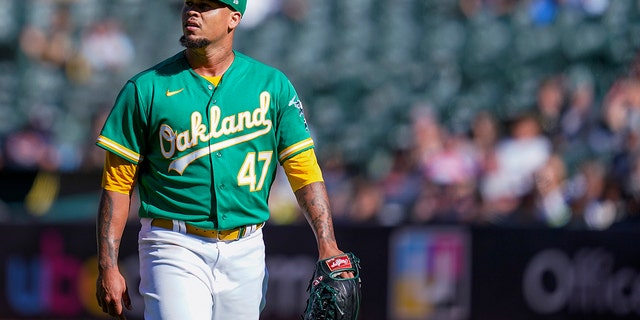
(229,235)
(222,235)
(237,233)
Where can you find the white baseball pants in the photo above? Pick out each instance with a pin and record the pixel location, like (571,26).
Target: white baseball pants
(196,278)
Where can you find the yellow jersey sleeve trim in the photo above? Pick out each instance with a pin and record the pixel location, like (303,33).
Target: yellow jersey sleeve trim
(120,150)
(295,148)
(302,169)
(119,175)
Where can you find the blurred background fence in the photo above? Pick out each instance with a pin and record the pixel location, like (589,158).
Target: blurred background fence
(516,114)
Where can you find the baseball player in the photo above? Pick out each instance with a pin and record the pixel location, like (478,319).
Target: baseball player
(201,135)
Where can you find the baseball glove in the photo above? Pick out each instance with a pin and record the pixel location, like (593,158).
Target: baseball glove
(332,297)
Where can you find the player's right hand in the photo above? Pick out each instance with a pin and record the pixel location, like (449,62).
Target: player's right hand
(112,293)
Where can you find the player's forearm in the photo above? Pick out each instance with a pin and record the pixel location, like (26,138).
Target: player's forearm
(314,202)
(112,217)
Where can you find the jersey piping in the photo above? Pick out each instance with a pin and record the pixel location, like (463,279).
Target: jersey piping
(113,146)
(300,146)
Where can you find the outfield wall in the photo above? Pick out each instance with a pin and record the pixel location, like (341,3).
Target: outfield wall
(417,272)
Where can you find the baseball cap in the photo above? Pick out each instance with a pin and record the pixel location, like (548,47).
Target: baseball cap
(238,5)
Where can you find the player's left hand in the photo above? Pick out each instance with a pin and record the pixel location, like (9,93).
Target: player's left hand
(332,253)
(112,294)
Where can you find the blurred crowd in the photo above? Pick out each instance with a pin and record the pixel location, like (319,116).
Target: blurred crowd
(58,90)
(567,154)
(571,161)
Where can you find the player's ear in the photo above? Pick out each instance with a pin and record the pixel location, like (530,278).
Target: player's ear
(234,19)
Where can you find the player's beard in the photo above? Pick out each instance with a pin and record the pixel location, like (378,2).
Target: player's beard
(194,43)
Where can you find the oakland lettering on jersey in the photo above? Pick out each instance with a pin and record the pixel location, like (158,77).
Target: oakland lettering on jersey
(172,141)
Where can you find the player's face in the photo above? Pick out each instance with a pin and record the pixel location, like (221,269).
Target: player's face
(205,22)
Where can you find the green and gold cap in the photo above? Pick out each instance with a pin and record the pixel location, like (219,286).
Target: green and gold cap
(238,5)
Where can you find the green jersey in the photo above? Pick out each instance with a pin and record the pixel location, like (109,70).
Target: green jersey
(206,155)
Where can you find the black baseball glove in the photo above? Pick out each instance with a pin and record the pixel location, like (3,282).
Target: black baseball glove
(330,296)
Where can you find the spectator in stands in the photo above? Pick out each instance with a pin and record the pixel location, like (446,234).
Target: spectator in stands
(608,209)
(453,171)
(30,149)
(551,203)
(550,103)
(454,163)
(399,188)
(107,47)
(517,157)
(596,196)
(622,115)
(450,165)
(427,133)
(631,189)
(581,113)
(426,208)
(367,204)
(484,134)
(340,185)
(427,142)
(54,44)
(612,130)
